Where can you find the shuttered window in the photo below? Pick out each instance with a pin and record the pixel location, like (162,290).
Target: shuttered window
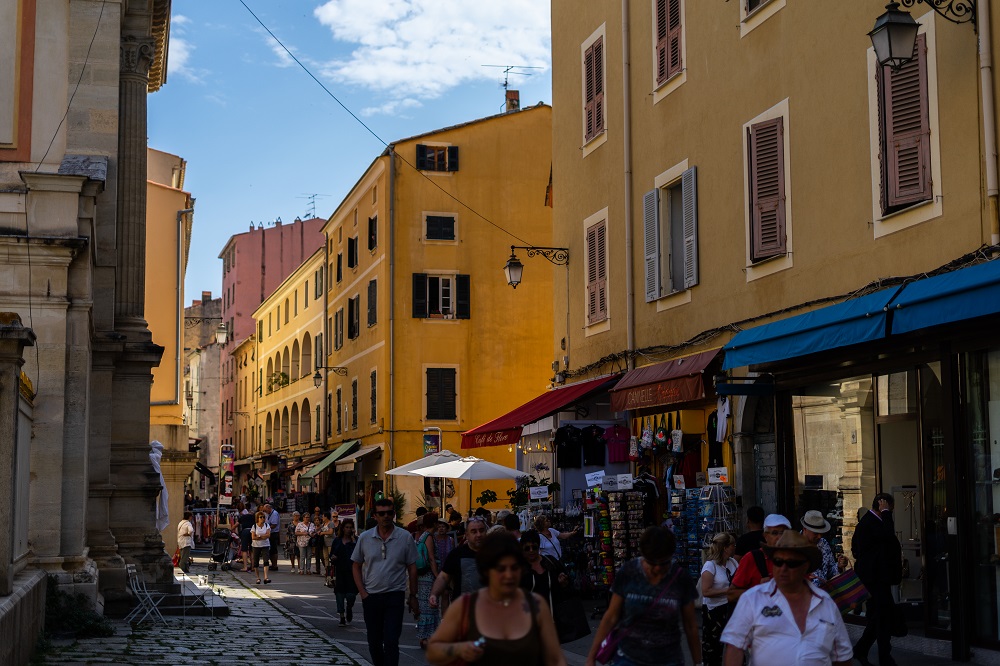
(374,402)
(441,394)
(767,189)
(670,236)
(437,158)
(593,93)
(338,329)
(440,296)
(372,302)
(904,133)
(372,232)
(597,272)
(440,227)
(354,405)
(340,266)
(340,407)
(352,252)
(353,317)
(668,39)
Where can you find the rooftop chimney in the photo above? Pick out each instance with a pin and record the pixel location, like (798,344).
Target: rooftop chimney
(513,100)
(206,297)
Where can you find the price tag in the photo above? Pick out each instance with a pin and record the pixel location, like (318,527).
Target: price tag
(594,478)
(538,492)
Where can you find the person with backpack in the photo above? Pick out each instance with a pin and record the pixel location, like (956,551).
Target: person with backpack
(755,567)
(427,571)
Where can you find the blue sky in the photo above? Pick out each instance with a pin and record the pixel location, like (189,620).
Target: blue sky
(259,135)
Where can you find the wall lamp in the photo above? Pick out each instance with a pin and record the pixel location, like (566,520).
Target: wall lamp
(335,369)
(230,420)
(895,31)
(514,268)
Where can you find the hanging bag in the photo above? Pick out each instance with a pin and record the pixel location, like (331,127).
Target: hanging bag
(177,556)
(846,590)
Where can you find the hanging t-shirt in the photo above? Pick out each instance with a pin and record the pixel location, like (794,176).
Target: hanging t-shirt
(593,445)
(617,438)
(569,444)
(723,416)
(689,466)
(714,446)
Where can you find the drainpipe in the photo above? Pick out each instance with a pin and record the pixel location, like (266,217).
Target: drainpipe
(627,138)
(325,398)
(989,117)
(392,307)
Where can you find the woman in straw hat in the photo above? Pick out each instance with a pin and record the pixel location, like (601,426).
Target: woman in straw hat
(814,527)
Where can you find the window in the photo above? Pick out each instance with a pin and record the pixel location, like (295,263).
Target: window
(437,158)
(767,189)
(305,295)
(668,39)
(340,408)
(329,285)
(278,318)
(670,233)
(338,329)
(441,394)
(440,227)
(352,252)
(597,272)
(319,352)
(354,405)
(318,422)
(372,232)
(286,310)
(340,266)
(296,302)
(372,302)
(593,89)
(904,133)
(318,280)
(440,296)
(373,396)
(353,317)
(260,331)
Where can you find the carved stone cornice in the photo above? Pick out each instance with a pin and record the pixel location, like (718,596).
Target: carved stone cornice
(136,56)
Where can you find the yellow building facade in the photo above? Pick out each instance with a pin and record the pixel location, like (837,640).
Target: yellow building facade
(433,340)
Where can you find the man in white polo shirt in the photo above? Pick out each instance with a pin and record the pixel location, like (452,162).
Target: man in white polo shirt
(787,620)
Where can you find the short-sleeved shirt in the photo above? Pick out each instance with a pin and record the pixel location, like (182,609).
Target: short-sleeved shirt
(722,575)
(748,574)
(257,533)
(764,617)
(550,544)
(652,631)
(385,571)
(460,565)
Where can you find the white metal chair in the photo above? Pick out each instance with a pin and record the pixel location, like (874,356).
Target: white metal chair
(147,601)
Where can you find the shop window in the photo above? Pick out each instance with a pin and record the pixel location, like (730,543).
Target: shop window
(441,296)
(441,394)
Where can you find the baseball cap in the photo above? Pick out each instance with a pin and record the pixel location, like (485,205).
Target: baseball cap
(776,520)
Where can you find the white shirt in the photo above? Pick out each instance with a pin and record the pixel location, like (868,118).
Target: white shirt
(550,545)
(257,532)
(722,576)
(764,619)
(185,534)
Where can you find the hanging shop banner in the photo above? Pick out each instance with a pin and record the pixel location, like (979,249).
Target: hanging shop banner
(594,478)
(432,444)
(226,458)
(669,392)
(538,492)
(347,512)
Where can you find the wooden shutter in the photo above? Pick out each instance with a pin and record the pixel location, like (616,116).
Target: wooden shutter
(651,242)
(340,266)
(441,393)
(593,68)
(463,297)
(689,195)
(422,157)
(356,317)
(452,158)
(374,402)
(767,189)
(673,39)
(661,45)
(372,302)
(907,140)
(420,295)
(597,295)
(372,232)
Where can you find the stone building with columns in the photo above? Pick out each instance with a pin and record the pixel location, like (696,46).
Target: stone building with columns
(74,447)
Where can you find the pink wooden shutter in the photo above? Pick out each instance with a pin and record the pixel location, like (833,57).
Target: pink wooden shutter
(661,41)
(588,94)
(767,185)
(599,86)
(908,134)
(674,64)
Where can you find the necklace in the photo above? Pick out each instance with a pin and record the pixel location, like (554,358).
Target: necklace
(503,602)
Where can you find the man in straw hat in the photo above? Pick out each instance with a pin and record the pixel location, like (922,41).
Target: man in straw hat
(814,527)
(788,620)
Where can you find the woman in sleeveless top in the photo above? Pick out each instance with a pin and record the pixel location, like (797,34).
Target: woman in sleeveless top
(501,624)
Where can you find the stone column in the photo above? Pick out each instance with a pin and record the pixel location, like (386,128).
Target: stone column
(13,339)
(130,280)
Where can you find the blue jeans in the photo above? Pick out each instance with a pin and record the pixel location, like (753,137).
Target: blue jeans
(345,600)
(305,558)
(384,623)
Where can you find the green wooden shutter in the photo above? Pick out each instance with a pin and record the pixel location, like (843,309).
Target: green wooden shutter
(452,158)
(420,295)
(421,157)
(463,293)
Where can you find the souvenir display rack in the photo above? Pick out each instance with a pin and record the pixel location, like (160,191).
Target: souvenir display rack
(625,511)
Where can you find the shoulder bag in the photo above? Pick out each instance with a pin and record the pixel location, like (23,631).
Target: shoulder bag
(846,590)
(609,646)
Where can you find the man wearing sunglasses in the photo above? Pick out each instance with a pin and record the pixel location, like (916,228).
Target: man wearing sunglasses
(755,567)
(385,558)
(788,620)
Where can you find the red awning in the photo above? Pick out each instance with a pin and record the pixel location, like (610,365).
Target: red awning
(506,429)
(674,381)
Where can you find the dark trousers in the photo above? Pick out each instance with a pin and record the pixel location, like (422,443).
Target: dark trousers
(384,623)
(275,541)
(878,612)
(713,621)
(185,561)
(319,552)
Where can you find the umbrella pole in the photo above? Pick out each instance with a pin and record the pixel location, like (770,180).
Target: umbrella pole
(442,491)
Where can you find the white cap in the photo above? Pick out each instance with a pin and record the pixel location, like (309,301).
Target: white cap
(776,520)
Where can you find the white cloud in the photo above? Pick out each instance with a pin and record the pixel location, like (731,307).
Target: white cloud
(391,108)
(284,60)
(181,50)
(421,48)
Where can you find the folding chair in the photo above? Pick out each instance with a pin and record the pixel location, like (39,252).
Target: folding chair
(148,602)
(198,598)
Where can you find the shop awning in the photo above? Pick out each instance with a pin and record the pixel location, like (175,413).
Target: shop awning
(671,382)
(333,457)
(347,464)
(305,462)
(506,429)
(857,320)
(204,471)
(943,299)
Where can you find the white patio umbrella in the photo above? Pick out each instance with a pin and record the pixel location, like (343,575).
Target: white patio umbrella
(471,468)
(409,469)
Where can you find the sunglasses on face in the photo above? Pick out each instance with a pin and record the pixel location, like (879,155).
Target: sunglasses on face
(384,513)
(791,564)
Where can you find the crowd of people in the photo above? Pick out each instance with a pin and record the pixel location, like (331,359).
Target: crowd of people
(490,596)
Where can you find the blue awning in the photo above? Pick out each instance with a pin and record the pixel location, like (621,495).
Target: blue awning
(857,320)
(943,299)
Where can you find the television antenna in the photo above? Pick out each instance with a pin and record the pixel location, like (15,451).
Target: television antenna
(509,69)
(311,208)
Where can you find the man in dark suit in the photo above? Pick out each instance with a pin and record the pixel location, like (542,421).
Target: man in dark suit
(878,563)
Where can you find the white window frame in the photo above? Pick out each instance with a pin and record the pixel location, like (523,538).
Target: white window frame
(605,325)
(669,178)
(750,21)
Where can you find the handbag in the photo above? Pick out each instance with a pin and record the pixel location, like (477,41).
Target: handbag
(846,590)
(177,556)
(609,646)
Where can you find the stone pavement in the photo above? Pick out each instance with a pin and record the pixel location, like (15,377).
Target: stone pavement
(254,625)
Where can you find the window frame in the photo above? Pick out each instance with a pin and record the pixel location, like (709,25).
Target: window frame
(440,412)
(354,317)
(436,157)
(596,272)
(593,86)
(372,302)
(682,235)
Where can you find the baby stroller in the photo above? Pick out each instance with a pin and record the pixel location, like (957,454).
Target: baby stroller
(222,549)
